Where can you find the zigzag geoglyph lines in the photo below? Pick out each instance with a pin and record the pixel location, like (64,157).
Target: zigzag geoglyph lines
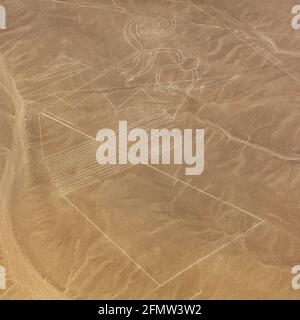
(77,167)
(60,70)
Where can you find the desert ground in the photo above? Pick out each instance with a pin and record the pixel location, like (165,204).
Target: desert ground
(72,229)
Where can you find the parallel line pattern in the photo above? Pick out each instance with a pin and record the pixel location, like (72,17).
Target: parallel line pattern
(76,167)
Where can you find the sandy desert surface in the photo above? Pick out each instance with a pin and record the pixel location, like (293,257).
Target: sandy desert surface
(71,229)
